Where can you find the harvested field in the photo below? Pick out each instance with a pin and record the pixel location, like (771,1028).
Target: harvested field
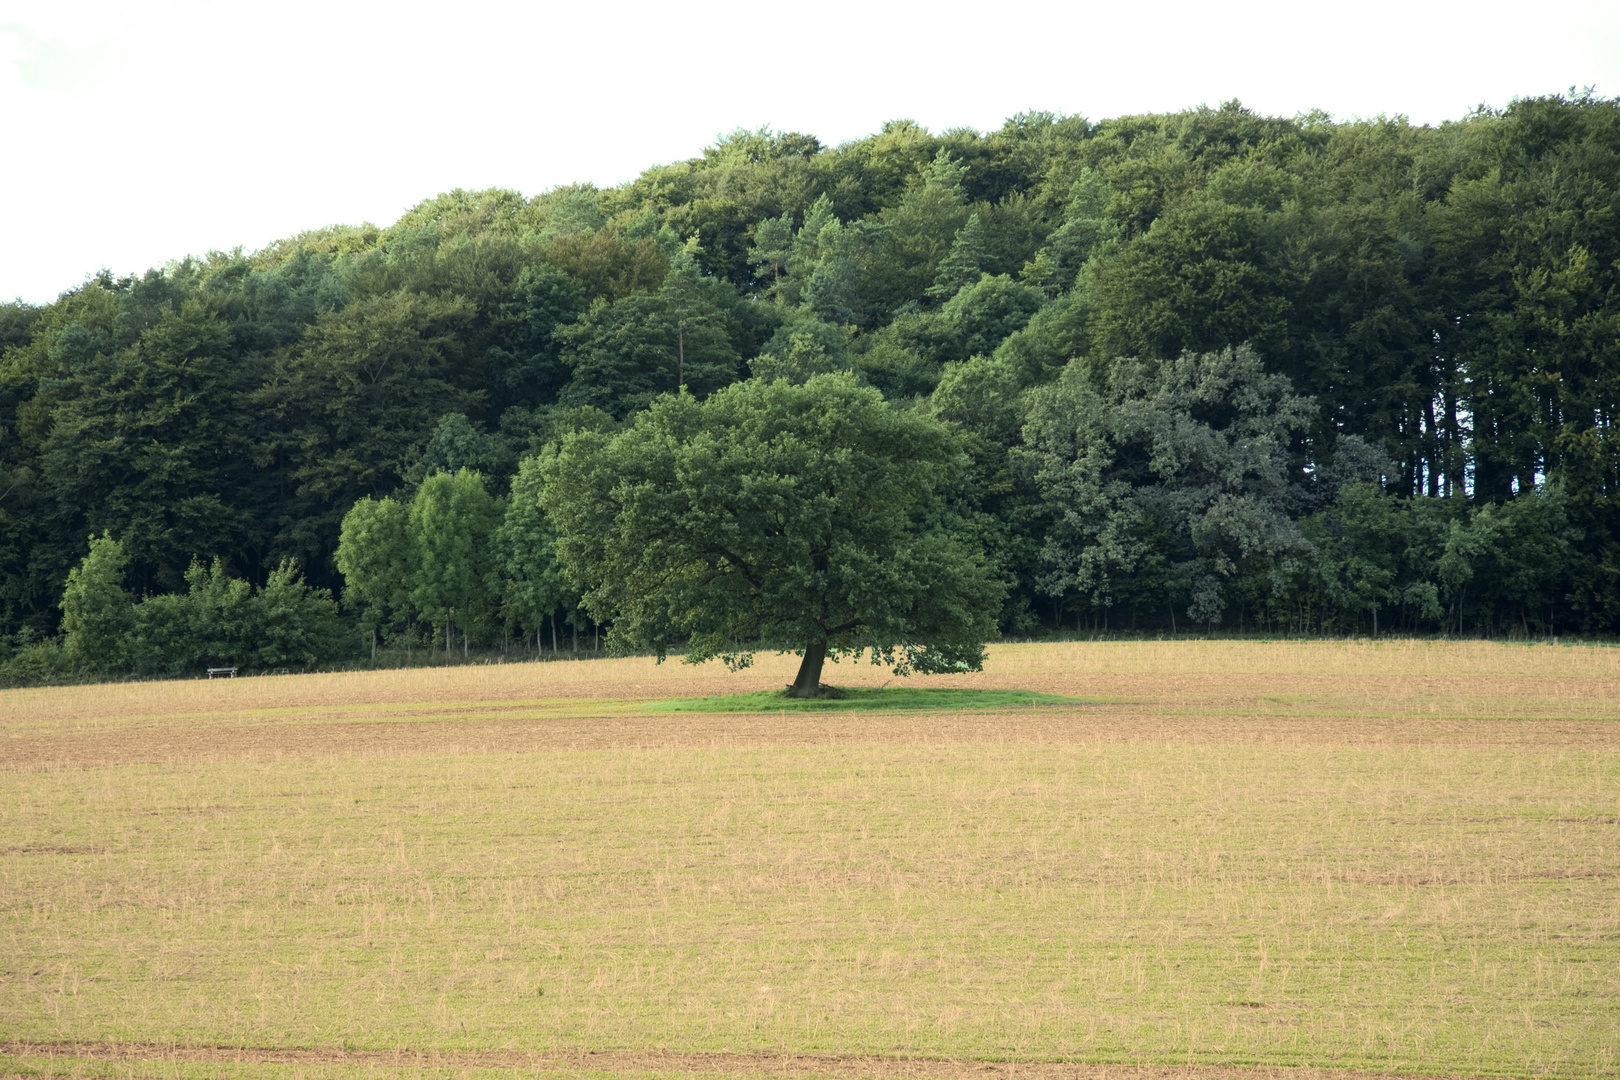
(1243,857)
(1355,692)
(98,1059)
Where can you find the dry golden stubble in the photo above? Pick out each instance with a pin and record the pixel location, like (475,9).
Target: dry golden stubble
(1560,672)
(1165,691)
(1401,908)
(1402,869)
(71,1059)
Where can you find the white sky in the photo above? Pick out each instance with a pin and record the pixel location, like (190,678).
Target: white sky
(137,131)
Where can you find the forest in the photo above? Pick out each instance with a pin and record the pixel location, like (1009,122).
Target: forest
(1209,371)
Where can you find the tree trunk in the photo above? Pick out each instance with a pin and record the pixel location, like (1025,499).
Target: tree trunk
(808,683)
(373,644)
(553,618)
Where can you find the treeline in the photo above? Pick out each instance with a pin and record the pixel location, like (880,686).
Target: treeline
(451,557)
(1209,368)
(219,621)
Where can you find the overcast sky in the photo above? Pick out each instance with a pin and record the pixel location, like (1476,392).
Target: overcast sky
(138,131)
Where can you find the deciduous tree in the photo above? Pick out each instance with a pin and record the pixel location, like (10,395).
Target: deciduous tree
(776,515)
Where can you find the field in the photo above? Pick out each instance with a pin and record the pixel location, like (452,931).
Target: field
(1232,859)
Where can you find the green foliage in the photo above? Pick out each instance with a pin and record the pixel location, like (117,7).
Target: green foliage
(150,431)
(1176,472)
(775,515)
(804,354)
(625,354)
(527,363)
(984,400)
(1439,565)
(963,264)
(456,445)
(220,621)
(533,584)
(98,615)
(917,236)
(39,663)
(451,519)
(225,622)
(1444,296)
(772,253)
(376,554)
(987,310)
(297,626)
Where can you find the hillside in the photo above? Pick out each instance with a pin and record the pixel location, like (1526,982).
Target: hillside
(1405,411)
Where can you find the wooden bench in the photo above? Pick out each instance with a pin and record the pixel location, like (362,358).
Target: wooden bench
(222,673)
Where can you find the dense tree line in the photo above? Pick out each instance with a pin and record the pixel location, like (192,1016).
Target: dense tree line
(1208,368)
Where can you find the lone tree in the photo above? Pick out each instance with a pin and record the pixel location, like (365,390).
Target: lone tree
(801,518)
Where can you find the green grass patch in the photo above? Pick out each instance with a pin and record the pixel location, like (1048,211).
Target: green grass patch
(866,699)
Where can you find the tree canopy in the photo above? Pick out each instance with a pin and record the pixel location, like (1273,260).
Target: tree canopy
(776,515)
(1443,301)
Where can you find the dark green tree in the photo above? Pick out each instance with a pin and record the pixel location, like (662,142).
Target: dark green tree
(526,363)
(625,354)
(1190,453)
(776,515)
(356,404)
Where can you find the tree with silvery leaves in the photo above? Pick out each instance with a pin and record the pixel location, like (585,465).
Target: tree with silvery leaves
(1179,467)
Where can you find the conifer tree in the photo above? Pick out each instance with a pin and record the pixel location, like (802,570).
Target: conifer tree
(964,264)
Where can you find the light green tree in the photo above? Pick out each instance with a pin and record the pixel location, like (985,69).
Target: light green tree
(963,264)
(452,518)
(1087,233)
(770,253)
(98,615)
(533,585)
(776,515)
(804,356)
(833,288)
(376,556)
